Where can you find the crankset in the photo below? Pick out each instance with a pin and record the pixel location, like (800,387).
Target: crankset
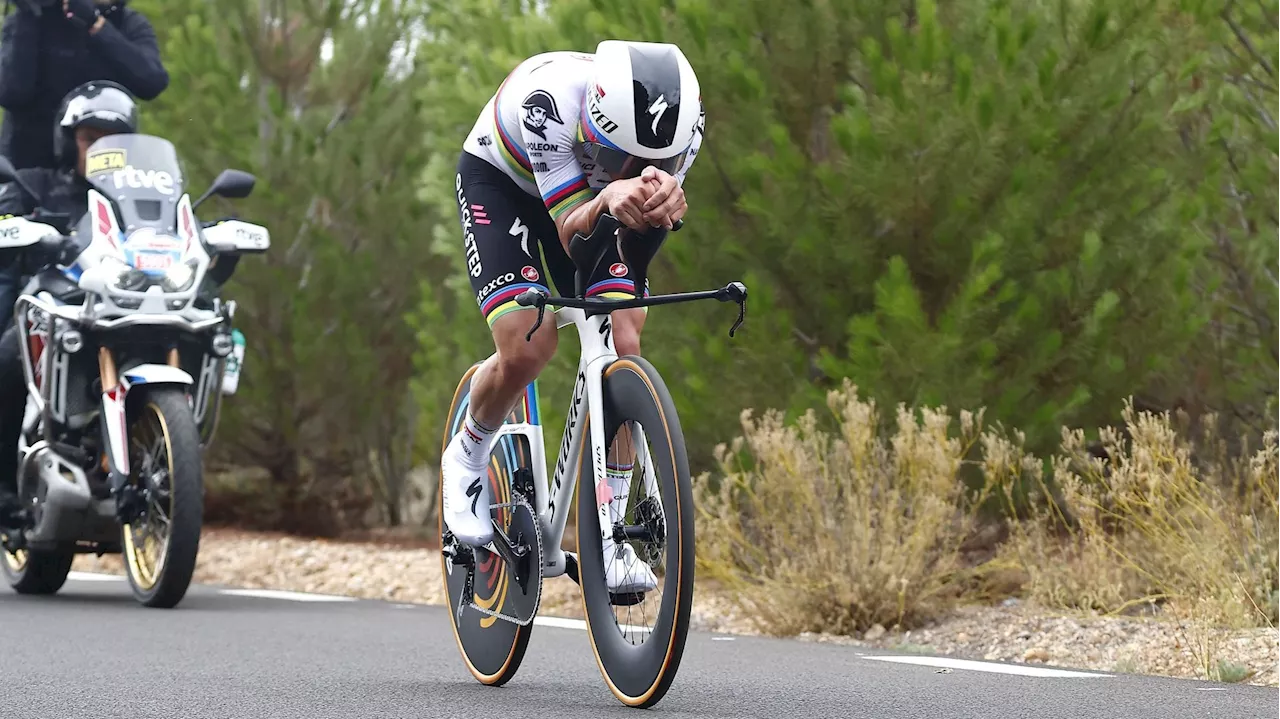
(520,552)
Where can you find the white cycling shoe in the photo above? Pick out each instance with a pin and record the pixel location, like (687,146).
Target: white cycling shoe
(624,572)
(466,497)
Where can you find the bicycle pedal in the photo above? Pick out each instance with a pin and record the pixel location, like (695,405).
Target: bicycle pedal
(626,599)
(571,567)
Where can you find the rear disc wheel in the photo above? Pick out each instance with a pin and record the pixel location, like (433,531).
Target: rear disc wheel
(492,648)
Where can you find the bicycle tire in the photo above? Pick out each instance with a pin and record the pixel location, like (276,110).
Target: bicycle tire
(491,648)
(640,676)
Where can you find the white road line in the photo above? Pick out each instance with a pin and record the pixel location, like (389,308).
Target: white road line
(94,577)
(560,623)
(557,622)
(1019,669)
(288,596)
(564,623)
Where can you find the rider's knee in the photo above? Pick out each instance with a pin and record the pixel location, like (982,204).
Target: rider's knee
(522,360)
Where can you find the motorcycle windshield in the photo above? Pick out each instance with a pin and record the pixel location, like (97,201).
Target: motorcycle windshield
(141,175)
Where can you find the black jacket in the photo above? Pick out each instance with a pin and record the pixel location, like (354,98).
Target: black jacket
(43,58)
(56,190)
(59,191)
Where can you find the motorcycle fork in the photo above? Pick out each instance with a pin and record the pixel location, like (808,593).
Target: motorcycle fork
(114,435)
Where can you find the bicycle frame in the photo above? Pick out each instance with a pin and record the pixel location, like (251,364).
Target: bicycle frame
(552,501)
(591,318)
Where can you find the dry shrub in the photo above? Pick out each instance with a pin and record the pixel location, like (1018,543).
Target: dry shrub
(836,532)
(1157,522)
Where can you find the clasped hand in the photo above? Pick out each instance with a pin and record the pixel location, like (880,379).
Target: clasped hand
(654,199)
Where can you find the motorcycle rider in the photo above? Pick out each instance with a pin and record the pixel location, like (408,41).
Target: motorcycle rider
(567,136)
(49,47)
(89,112)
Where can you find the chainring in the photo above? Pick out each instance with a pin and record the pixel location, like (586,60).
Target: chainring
(525,530)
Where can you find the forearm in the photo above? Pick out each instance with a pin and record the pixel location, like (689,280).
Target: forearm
(581,219)
(135,59)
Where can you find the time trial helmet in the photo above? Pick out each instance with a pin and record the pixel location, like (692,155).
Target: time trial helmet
(642,107)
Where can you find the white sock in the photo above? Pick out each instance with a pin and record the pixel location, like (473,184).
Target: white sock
(619,479)
(477,441)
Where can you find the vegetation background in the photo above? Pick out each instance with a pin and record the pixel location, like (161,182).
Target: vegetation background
(1060,212)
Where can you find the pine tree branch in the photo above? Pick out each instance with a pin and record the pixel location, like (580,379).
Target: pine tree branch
(1244,40)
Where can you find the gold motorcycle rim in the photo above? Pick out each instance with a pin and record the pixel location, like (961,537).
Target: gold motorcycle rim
(144,553)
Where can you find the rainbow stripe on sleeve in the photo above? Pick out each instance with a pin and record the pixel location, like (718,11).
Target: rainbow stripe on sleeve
(567,196)
(510,148)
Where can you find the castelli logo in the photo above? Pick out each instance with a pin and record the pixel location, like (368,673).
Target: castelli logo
(529,273)
(617,269)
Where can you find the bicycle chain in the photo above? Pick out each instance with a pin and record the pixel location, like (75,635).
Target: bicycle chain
(468,589)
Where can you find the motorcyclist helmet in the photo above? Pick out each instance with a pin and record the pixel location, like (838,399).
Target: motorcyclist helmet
(642,107)
(100,104)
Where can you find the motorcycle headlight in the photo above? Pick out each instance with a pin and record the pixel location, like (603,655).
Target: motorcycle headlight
(178,278)
(125,277)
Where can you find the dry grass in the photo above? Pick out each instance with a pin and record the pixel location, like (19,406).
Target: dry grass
(836,531)
(819,532)
(1159,523)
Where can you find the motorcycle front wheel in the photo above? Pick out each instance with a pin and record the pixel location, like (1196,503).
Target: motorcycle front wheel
(166,467)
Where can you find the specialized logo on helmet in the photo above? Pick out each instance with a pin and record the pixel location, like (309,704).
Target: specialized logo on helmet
(597,115)
(658,107)
(539,107)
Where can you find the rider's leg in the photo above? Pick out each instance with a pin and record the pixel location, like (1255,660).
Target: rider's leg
(498,383)
(624,572)
(627,325)
(503,229)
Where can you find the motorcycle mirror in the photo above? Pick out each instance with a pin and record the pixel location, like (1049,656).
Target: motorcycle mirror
(232,184)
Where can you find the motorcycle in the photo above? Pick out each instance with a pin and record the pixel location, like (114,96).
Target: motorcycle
(125,347)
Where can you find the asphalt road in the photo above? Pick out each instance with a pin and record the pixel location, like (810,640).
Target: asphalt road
(92,652)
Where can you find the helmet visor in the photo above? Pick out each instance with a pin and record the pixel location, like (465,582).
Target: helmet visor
(622,166)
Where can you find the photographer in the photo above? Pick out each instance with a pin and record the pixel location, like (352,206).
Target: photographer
(49,47)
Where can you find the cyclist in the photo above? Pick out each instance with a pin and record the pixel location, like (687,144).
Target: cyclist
(567,136)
